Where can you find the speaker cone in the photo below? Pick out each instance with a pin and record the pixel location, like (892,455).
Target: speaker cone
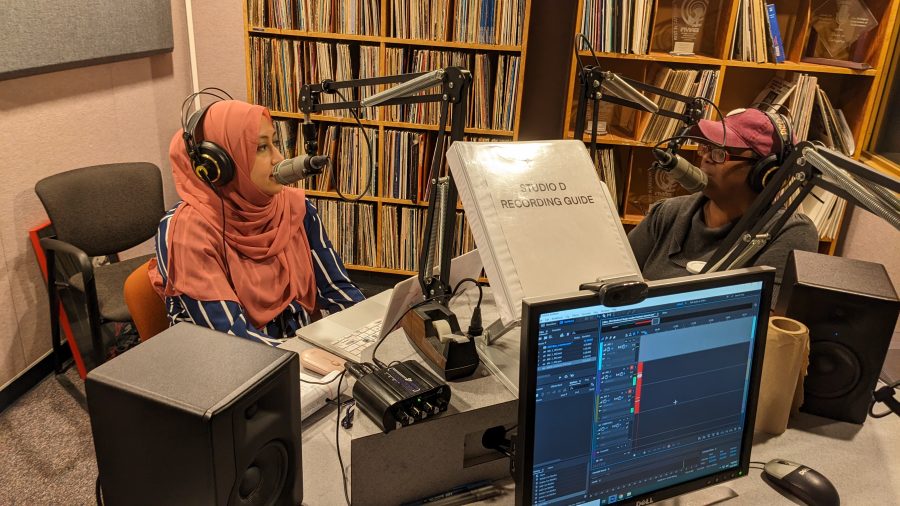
(261,482)
(834,370)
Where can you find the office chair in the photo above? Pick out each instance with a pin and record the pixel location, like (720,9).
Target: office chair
(96,211)
(148,311)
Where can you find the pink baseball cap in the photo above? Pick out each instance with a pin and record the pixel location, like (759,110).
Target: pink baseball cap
(744,129)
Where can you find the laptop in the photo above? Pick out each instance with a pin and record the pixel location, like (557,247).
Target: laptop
(349,332)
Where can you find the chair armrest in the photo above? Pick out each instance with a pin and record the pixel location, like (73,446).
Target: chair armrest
(82,261)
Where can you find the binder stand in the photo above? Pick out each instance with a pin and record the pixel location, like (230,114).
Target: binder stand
(450,353)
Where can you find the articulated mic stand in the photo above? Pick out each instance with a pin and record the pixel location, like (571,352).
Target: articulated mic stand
(599,85)
(809,165)
(442,344)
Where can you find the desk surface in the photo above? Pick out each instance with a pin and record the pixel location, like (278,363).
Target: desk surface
(862,461)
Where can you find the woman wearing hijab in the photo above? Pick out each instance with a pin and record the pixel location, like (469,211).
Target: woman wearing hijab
(264,269)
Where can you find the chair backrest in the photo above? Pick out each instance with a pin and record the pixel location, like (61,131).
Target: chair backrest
(148,312)
(104,209)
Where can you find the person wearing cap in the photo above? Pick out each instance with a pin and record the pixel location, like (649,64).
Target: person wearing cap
(690,228)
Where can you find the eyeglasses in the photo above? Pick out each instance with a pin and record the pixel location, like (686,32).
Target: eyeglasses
(721,155)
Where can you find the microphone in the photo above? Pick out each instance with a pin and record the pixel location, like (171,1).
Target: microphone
(684,172)
(294,169)
(419,83)
(615,85)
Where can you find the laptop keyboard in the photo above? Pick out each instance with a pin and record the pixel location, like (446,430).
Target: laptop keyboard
(358,340)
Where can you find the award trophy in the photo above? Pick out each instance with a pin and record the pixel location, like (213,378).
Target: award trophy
(840,34)
(687,22)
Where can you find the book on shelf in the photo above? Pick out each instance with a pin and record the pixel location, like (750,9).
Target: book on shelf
(492,95)
(686,82)
(757,35)
(280,67)
(351,228)
(607,169)
(774,31)
(824,209)
(285,136)
(812,114)
(488,21)
(401,232)
(422,19)
(541,218)
(617,27)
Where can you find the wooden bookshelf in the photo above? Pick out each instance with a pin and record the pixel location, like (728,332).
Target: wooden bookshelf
(262,22)
(853,91)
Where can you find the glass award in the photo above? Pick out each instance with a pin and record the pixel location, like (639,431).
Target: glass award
(687,22)
(838,25)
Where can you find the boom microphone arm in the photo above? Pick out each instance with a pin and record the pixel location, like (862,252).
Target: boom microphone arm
(810,165)
(453,359)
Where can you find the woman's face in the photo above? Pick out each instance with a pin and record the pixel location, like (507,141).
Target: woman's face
(267,155)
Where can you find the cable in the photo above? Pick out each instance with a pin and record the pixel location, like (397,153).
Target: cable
(590,47)
(885,389)
(371,171)
(477,284)
(420,304)
(395,323)
(337,440)
(322,382)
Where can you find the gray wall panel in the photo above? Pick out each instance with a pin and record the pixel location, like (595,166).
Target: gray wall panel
(47,35)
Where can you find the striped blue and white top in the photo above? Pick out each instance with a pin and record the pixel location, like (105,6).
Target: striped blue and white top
(334,290)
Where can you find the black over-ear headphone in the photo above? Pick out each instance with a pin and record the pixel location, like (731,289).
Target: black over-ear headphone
(764,169)
(211,163)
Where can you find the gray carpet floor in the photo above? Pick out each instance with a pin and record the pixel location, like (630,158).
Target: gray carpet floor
(46,446)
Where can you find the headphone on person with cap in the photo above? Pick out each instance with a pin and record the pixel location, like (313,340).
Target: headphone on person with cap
(211,163)
(764,169)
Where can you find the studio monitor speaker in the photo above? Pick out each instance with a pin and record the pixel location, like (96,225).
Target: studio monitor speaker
(194,416)
(851,308)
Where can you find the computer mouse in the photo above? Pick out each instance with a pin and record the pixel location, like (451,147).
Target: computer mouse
(802,482)
(320,361)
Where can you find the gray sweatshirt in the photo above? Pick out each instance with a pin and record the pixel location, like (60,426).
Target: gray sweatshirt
(674,233)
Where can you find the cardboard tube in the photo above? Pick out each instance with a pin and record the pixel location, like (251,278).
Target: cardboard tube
(784,367)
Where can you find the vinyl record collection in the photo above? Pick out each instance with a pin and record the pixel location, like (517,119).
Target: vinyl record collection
(352,225)
(686,82)
(617,26)
(408,224)
(357,17)
(280,67)
(293,43)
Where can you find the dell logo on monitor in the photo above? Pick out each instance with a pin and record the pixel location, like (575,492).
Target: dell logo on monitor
(642,502)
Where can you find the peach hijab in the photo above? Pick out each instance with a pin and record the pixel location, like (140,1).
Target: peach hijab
(268,251)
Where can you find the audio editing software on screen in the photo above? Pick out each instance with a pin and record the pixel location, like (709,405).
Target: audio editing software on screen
(635,399)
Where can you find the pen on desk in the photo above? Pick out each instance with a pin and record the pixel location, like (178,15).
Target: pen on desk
(430,501)
(477,494)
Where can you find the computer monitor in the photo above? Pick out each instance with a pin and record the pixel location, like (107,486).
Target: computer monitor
(637,403)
